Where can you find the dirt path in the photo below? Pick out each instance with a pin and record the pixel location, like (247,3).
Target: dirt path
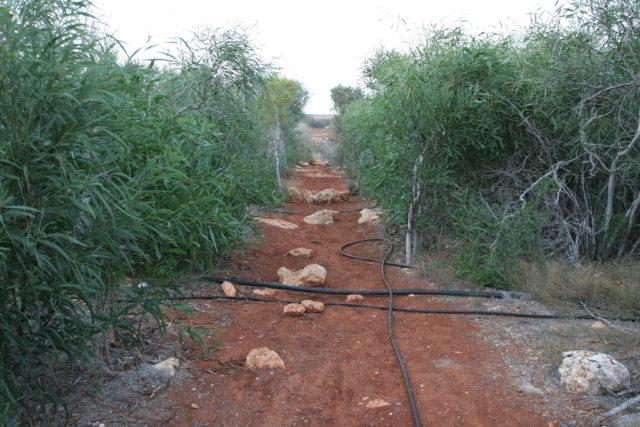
(339,360)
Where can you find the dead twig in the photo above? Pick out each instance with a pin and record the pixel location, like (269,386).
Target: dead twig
(603,320)
(626,405)
(157,389)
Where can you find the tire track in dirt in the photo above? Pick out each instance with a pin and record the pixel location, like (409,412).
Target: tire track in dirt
(340,359)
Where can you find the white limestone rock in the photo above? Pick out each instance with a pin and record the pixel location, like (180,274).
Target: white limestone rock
(311,275)
(321,217)
(264,357)
(591,373)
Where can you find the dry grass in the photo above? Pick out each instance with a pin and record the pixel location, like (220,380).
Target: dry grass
(437,266)
(611,286)
(614,287)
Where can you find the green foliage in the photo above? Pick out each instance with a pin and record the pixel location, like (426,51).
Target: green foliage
(285,99)
(112,174)
(315,123)
(341,96)
(495,237)
(280,108)
(522,147)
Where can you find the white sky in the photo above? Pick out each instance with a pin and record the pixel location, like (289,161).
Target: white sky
(321,44)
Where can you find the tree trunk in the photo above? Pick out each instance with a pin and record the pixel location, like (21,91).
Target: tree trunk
(417,187)
(611,184)
(277,147)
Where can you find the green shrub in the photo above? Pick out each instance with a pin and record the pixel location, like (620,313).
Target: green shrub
(517,147)
(112,174)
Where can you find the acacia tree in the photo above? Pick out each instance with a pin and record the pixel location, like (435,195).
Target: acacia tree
(341,96)
(281,108)
(111,174)
(587,126)
(511,148)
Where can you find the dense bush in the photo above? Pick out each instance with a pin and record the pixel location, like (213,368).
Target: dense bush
(112,174)
(514,147)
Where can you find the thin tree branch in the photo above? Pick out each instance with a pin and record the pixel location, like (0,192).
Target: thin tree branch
(609,89)
(603,320)
(626,405)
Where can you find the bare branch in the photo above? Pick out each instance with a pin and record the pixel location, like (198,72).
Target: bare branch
(609,89)
(552,171)
(603,320)
(626,405)
(612,177)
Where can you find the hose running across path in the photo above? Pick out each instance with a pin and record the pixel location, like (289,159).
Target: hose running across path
(390,292)
(436,336)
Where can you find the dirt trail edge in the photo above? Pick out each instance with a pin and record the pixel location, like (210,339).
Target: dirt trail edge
(340,360)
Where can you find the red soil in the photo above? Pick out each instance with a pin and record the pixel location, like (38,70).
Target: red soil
(338,360)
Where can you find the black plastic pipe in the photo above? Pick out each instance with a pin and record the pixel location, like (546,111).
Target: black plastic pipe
(392,338)
(410,310)
(441,292)
(343,253)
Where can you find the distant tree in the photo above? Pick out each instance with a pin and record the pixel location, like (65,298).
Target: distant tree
(316,123)
(283,105)
(341,96)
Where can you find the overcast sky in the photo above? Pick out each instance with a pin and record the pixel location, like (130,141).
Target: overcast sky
(321,44)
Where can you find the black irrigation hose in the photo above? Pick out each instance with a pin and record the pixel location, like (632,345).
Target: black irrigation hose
(409,310)
(392,339)
(343,253)
(441,292)
(390,308)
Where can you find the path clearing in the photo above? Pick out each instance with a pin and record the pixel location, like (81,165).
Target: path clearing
(339,360)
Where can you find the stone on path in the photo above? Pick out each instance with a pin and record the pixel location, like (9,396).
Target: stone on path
(265,292)
(228,289)
(300,252)
(588,372)
(312,306)
(317,161)
(528,388)
(278,223)
(311,275)
(377,403)
(264,357)
(321,217)
(354,298)
(369,215)
(164,369)
(296,195)
(326,196)
(294,310)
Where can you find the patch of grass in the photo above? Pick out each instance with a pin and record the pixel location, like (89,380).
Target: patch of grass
(437,266)
(612,286)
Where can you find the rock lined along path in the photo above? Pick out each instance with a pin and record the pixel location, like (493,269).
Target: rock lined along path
(340,369)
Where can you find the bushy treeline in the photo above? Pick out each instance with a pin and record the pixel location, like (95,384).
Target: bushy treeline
(114,174)
(508,146)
